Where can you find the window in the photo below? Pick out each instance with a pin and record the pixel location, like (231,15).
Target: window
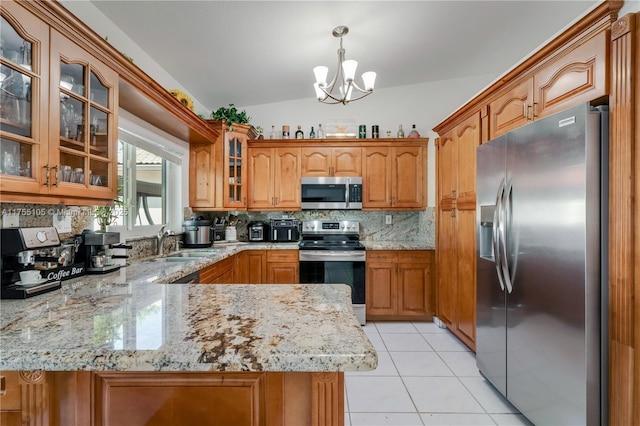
(152,177)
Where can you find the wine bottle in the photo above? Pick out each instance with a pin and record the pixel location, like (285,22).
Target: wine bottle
(320,132)
(299,133)
(312,133)
(413,133)
(400,132)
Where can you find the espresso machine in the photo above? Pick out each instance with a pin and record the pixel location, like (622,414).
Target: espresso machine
(96,251)
(22,249)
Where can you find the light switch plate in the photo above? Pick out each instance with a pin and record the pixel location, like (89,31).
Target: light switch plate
(388,219)
(10,220)
(62,223)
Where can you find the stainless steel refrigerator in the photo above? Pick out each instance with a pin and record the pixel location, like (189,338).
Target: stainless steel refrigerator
(541,294)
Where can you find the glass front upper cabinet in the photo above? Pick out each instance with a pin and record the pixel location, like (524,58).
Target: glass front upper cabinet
(234,170)
(84,126)
(17,78)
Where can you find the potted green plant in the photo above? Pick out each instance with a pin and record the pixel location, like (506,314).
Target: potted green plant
(231,115)
(107,215)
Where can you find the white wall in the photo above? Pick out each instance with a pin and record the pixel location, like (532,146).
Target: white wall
(99,23)
(424,105)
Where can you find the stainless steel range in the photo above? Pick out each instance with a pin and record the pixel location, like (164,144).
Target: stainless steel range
(331,253)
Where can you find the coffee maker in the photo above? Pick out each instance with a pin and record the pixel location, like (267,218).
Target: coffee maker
(21,249)
(96,251)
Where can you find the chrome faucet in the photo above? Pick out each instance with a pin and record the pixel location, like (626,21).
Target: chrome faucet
(162,233)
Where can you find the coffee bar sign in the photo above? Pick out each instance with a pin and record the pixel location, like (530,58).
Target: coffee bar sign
(66,272)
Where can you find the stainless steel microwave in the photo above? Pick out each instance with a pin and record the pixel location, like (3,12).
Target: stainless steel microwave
(332,193)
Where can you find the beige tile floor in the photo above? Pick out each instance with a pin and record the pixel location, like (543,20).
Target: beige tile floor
(425,376)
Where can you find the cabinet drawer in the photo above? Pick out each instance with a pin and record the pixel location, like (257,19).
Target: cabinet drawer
(282,255)
(421,256)
(383,255)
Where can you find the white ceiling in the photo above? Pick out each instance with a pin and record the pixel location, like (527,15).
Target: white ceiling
(257,52)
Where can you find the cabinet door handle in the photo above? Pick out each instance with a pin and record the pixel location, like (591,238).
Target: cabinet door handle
(56,175)
(453,212)
(46,175)
(3,386)
(454,194)
(534,115)
(528,113)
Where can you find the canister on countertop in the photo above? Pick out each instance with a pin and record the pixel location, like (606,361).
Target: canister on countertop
(285,132)
(375,131)
(362,131)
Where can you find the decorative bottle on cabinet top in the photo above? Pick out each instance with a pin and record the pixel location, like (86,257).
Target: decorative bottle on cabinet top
(320,132)
(400,132)
(312,133)
(299,133)
(272,135)
(413,133)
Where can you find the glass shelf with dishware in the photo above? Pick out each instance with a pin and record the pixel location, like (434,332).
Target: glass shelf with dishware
(16,79)
(16,158)
(15,101)
(99,172)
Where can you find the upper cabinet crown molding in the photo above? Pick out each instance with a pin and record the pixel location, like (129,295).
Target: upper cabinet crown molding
(597,21)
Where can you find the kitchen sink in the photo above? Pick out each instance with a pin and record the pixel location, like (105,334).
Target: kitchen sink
(189,254)
(175,259)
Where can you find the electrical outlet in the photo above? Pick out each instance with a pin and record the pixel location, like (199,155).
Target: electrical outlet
(62,223)
(10,220)
(388,219)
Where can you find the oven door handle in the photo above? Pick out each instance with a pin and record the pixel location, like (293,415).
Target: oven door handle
(332,255)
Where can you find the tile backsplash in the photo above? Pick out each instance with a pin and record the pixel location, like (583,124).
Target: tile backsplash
(406,226)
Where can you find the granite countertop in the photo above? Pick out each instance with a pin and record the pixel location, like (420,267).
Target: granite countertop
(396,245)
(128,320)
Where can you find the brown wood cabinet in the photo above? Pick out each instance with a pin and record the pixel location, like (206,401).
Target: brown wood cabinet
(573,75)
(571,69)
(24,398)
(395,171)
(184,398)
(323,161)
(59,129)
(267,267)
(221,272)
(399,284)
(394,178)
(218,173)
(274,178)
(283,267)
(456,236)
(251,267)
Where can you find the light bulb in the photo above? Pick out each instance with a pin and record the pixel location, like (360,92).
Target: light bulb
(349,68)
(369,79)
(321,75)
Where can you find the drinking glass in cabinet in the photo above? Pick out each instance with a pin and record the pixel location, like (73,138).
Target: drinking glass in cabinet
(16,158)
(65,173)
(77,176)
(15,101)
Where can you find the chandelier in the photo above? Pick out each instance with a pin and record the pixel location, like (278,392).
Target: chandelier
(341,88)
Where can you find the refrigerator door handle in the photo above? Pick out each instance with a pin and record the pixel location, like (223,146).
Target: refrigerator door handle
(504,222)
(496,233)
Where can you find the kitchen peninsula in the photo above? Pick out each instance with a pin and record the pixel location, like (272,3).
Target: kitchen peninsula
(122,349)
